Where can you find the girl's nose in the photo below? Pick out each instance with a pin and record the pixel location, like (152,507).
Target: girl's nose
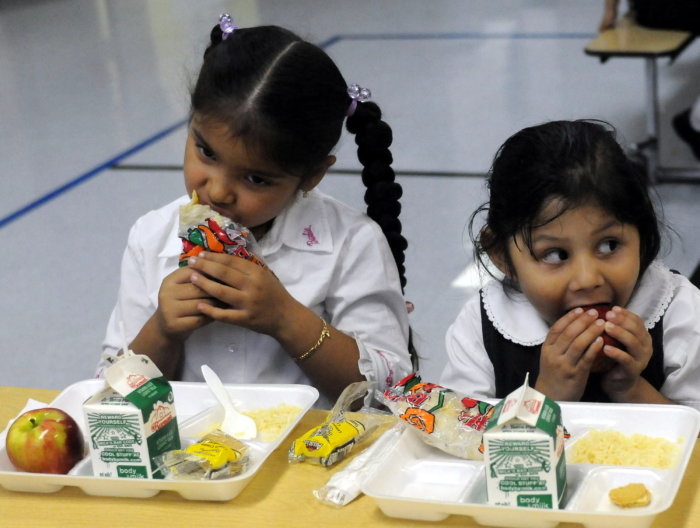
(220,192)
(586,274)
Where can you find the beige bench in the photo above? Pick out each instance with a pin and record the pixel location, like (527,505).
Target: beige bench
(626,40)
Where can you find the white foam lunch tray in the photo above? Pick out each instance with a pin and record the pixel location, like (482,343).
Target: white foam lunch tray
(196,409)
(416,481)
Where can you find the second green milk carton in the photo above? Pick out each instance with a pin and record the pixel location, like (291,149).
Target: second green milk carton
(131,420)
(524,451)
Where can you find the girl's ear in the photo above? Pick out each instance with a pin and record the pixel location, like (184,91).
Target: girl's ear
(316,178)
(496,253)
(499,260)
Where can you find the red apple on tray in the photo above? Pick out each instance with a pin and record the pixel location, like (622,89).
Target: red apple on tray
(602,362)
(45,440)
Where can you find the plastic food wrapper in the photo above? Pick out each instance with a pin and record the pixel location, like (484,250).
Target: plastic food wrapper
(441,417)
(203,229)
(344,486)
(331,441)
(216,456)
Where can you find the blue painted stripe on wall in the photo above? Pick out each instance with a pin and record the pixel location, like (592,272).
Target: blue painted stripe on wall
(471,35)
(90,174)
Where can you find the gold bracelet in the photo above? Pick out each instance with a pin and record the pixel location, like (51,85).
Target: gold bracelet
(325,333)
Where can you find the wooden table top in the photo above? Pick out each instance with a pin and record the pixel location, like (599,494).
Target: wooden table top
(280,495)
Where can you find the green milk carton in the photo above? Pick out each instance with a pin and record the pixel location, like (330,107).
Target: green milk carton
(524,451)
(131,420)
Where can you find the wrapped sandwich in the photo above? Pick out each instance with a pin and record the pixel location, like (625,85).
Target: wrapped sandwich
(441,417)
(203,229)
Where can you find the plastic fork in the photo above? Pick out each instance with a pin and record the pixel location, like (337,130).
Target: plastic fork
(235,424)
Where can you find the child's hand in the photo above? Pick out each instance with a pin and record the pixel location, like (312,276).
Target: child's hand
(567,354)
(628,328)
(251,296)
(178,315)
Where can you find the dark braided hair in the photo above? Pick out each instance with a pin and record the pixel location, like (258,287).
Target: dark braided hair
(289,100)
(373,138)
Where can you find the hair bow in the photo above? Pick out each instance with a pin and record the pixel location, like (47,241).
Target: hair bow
(226,25)
(357,94)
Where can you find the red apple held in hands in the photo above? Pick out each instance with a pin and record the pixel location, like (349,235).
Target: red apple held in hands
(602,362)
(45,440)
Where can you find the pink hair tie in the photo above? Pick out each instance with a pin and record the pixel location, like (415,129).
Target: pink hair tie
(357,94)
(226,25)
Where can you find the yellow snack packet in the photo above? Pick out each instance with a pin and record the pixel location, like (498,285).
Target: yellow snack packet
(215,453)
(215,456)
(328,443)
(331,441)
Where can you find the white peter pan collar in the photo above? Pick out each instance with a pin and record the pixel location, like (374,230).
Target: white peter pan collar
(518,321)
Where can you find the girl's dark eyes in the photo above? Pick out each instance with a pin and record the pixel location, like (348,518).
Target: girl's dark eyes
(206,151)
(558,255)
(555,256)
(608,245)
(254,179)
(257,180)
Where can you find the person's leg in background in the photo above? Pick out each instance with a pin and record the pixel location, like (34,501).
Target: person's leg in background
(687,126)
(695,277)
(681,15)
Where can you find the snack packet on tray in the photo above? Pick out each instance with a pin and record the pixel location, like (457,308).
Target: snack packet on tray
(441,417)
(216,456)
(201,228)
(332,440)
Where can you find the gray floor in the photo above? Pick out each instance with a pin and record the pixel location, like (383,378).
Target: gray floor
(90,90)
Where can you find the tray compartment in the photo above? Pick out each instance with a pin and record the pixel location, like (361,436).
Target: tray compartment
(476,494)
(592,494)
(422,472)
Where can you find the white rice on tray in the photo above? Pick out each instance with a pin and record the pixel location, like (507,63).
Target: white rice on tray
(272,421)
(614,448)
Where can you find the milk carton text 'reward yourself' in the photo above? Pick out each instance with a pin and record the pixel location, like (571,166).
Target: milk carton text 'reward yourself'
(131,421)
(524,451)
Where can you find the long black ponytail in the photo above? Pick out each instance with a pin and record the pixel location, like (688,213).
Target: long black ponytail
(373,137)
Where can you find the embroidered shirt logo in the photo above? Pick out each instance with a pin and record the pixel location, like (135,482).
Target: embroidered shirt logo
(310,235)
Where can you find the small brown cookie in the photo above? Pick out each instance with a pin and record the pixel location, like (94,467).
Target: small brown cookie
(630,496)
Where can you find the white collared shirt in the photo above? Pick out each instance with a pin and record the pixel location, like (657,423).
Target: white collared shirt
(330,257)
(659,293)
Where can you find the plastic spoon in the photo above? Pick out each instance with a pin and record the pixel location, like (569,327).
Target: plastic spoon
(235,424)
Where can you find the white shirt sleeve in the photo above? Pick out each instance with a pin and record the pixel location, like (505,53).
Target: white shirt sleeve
(468,369)
(134,301)
(364,300)
(682,345)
